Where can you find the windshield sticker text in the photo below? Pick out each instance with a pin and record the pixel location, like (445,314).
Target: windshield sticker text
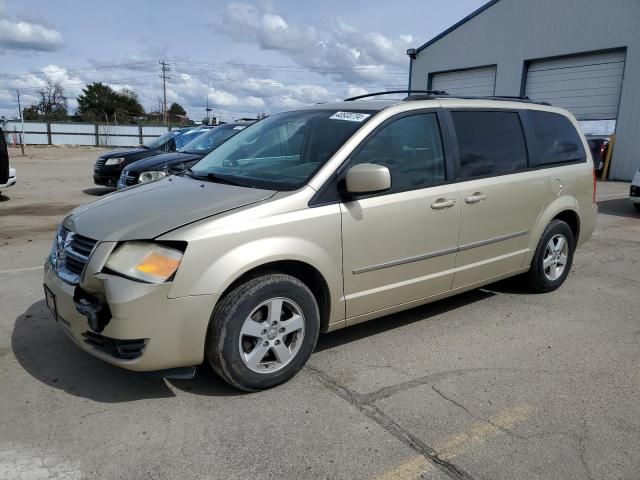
(350,116)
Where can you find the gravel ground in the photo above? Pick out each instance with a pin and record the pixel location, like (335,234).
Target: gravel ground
(492,384)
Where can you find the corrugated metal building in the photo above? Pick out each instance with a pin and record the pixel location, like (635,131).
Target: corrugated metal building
(583,55)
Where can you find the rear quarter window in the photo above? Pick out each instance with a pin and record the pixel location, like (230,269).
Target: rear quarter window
(556,139)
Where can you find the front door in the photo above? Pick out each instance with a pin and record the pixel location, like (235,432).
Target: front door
(400,245)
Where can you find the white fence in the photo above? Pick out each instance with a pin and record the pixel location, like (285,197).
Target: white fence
(51,133)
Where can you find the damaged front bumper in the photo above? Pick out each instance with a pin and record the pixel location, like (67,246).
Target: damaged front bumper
(127,323)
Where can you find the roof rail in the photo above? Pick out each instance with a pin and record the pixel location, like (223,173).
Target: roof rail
(500,97)
(389,92)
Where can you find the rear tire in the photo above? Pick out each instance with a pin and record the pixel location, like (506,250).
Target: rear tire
(552,259)
(263,332)
(637,206)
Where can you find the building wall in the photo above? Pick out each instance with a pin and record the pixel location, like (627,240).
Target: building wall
(512,31)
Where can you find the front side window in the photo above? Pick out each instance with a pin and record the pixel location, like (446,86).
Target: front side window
(490,143)
(282,151)
(556,138)
(411,148)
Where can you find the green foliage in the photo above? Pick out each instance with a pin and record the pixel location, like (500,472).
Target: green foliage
(99,102)
(176,109)
(31,113)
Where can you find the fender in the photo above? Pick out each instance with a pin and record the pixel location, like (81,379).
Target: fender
(560,204)
(226,268)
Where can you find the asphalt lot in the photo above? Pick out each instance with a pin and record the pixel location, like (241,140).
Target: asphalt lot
(492,384)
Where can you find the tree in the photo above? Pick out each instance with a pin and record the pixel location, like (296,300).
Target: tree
(99,102)
(176,109)
(128,103)
(52,105)
(31,113)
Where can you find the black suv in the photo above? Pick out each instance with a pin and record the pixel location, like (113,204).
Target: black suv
(160,166)
(109,165)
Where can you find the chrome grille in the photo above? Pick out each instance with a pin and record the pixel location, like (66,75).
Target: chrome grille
(70,254)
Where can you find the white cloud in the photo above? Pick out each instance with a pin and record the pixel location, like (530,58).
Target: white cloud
(337,49)
(327,61)
(20,35)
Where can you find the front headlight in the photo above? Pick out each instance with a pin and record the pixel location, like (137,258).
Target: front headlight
(114,161)
(145,261)
(151,176)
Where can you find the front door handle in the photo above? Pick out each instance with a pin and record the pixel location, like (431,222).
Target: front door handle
(443,203)
(475,198)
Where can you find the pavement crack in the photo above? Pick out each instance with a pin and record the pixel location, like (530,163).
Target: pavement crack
(477,417)
(583,449)
(90,414)
(367,407)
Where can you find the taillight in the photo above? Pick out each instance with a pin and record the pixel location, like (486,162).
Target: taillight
(594,187)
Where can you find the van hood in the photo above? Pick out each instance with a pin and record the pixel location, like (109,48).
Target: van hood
(149,210)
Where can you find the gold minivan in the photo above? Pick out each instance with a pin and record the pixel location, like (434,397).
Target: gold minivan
(317,219)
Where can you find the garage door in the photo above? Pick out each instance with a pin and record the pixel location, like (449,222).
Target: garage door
(475,82)
(587,85)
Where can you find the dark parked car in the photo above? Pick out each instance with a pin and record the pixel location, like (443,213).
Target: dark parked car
(109,165)
(155,168)
(598,144)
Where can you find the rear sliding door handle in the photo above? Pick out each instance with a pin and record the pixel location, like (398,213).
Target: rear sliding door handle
(475,198)
(443,203)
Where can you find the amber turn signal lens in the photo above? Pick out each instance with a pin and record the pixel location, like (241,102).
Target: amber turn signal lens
(158,265)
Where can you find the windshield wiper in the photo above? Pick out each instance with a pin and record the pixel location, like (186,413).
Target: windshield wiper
(192,174)
(214,177)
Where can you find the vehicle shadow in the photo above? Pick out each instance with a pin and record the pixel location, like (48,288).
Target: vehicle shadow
(4,198)
(619,207)
(98,191)
(396,320)
(48,355)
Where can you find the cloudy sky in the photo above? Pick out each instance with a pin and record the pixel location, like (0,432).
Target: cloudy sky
(246,56)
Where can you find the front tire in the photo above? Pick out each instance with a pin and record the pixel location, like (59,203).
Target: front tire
(552,259)
(263,332)
(637,207)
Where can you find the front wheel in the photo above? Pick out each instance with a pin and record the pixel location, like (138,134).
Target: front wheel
(552,259)
(263,332)
(637,206)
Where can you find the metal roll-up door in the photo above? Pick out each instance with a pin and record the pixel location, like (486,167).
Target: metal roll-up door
(479,82)
(587,85)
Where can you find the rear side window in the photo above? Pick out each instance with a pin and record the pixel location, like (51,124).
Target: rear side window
(556,139)
(411,148)
(490,143)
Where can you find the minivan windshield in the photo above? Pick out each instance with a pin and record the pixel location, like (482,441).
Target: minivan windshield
(282,151)
(211,139)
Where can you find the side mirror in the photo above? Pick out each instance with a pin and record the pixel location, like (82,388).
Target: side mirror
(367,178)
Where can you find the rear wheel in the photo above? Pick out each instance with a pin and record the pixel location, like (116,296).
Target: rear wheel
(552,259)
(263,332)
(637,205)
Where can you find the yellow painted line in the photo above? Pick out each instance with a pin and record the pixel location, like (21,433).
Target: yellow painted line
(413,468)
(477,434)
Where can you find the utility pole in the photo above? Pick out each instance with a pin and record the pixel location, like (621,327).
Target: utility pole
(208,110)
(22,122)
(164,69)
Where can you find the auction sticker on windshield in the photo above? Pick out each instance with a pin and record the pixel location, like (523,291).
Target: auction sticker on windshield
(350,116)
